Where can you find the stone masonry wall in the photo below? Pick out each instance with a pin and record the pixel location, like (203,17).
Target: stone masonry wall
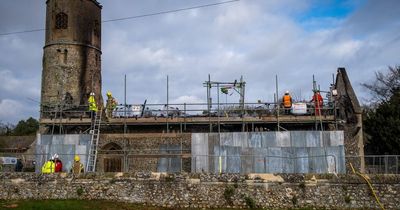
(350,113)
(143,150)
(71,55)
(208,190)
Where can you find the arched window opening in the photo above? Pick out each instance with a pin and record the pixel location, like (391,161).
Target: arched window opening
(111,148)
(61,21)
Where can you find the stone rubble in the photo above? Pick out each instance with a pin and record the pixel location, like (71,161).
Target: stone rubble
(186,190)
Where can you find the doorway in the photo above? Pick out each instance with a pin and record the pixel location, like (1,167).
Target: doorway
(113,164)
(113,155)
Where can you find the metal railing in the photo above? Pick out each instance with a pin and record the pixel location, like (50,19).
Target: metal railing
(64,111)
(187,110)
(179,160)
(171,160)
(379,164)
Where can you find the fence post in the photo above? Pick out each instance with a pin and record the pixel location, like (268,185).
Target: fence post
(169,165)
(265,165)
(386,164)
(181,156)
(194,168)
(125,162)
(373,163)
(220,164)
(184,117)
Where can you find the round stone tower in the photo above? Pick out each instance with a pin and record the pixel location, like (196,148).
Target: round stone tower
(72,54)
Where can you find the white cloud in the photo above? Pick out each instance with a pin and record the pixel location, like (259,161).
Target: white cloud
(15,87)
(12,111)
(187,99)
(237,16)
(257,39)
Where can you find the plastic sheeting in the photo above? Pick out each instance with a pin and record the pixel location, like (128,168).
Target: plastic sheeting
(66,146)
(269,152)
(170,164)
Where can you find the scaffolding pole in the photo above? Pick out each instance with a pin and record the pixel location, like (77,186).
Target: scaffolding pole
(125,128)
(231,85)
(315,90)
(209,101)
(242,88)
(218,111)
(167,104)
(277,102)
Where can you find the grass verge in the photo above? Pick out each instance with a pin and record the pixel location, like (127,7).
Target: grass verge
(69,205)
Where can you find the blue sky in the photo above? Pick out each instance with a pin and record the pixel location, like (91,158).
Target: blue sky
(330,8)
(327,13)
(294,39)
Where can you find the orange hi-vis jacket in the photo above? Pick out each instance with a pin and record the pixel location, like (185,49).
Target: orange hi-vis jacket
(287,101)
(318,100)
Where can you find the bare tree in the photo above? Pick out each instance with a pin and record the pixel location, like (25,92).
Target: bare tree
(6,128)
(384,85)
(381,119)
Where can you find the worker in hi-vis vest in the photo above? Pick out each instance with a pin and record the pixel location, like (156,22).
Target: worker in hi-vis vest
(92,105)
(318,102)
(77,166)
(287,102)
(110,105)
(49,166)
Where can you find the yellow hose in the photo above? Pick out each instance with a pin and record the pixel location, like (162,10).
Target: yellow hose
(369,184)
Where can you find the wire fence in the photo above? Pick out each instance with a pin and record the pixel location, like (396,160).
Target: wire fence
(182,161)
(379,164)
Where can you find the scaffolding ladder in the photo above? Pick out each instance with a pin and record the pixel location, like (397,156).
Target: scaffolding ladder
(91,163)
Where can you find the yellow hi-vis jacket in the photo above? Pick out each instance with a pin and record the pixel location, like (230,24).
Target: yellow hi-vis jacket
(48,167)
(287,101)
(92,104)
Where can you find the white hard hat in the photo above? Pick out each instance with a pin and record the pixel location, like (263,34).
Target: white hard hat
(55,156)
(287,92)
(92,94)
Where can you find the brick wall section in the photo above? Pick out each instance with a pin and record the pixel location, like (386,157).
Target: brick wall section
(207,190)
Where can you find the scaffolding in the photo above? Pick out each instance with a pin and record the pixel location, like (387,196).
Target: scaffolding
(250,116)
(238,87)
